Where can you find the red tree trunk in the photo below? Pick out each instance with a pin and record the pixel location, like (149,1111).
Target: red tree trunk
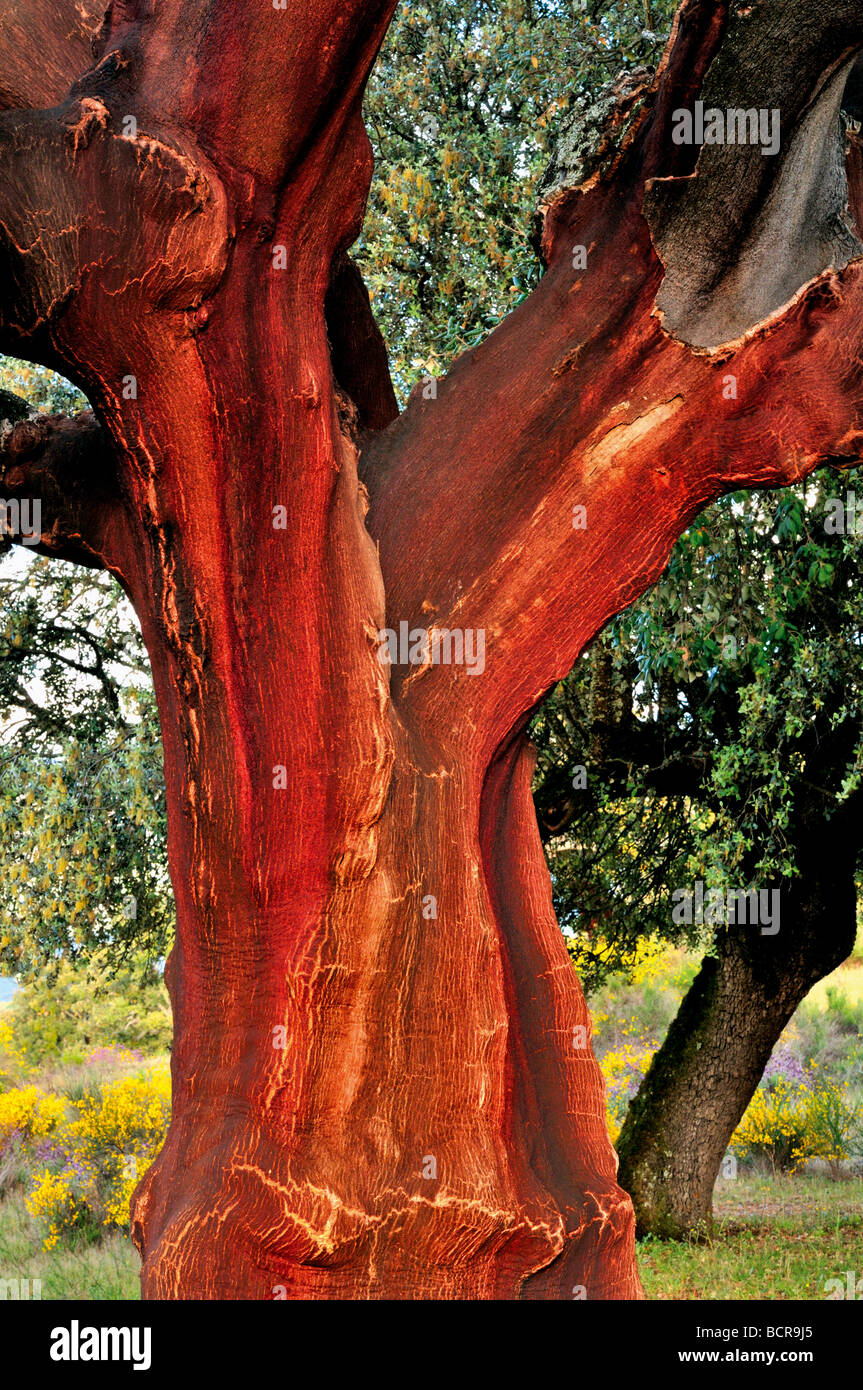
(383,1085)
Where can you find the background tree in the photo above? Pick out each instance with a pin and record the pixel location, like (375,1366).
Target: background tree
(721,722)
(82,802)
(463,107)
(317,803)
(82,864)
(105,1008)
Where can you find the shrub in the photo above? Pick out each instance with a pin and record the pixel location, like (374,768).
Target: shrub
(53,1199)
(834,1124)
(101,1155)
(29,1111)
(773,1127)
(624,1069)
(87,1010)
(784,1064)
(790,1120)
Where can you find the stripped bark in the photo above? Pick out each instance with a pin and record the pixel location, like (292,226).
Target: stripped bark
(432,1126)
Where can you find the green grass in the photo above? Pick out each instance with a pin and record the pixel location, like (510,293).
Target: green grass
(847,980)
(779,1238)
(105,1271)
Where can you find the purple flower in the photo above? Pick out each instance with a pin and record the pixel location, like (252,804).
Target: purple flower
(785,1065)
(112,1053)
(11,1140)
(47,1151)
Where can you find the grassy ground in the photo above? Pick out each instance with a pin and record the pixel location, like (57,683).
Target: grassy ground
(776,1238)
(848,980)
(108,1270)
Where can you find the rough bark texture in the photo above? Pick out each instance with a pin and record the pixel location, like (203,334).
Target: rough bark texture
(429,1129)
(704,1075)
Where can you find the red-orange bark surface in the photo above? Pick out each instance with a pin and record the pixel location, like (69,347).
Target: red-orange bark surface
(432,1126)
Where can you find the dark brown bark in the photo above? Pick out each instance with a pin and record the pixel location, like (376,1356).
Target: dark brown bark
(357,350)
(433,1126)
(741,239)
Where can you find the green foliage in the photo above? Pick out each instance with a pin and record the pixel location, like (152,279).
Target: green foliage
(809,1102)
(710,715)
(82,857)
(463,109)
(42,389)
(86,1010)
(760,576)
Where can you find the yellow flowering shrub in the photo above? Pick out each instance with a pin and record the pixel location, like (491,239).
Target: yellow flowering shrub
(128,1114)
(34,1113)
(624,1068)
(652,961)
(773,1126)
(12,1059)
(834,1124)
(117,1135)
(789,1122)
(107,1147)
(644,961)
(54,1200)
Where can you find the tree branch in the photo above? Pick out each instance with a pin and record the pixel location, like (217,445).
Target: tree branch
(63,469)
(213,67)
(473,493)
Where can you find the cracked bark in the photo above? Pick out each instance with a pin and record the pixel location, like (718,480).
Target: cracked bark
(143,256)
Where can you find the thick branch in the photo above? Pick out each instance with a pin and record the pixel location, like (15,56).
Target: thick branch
(60,471)
(255,85)
(94,214)
(581,400)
